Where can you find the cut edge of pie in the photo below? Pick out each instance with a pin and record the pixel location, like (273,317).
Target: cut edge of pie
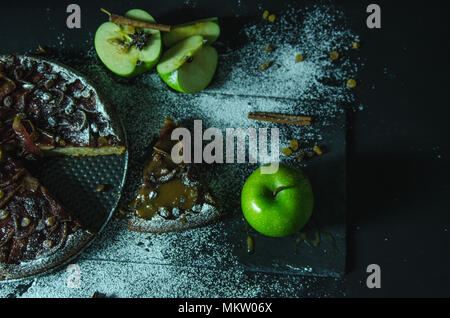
(84,151)
(46,110)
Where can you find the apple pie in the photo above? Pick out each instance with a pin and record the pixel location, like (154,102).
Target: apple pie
(32,223)
(45,110)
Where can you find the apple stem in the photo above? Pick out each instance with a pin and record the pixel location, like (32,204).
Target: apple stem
(278,190)
(105,11)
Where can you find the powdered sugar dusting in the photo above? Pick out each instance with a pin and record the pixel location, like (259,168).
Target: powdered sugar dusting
(202,262)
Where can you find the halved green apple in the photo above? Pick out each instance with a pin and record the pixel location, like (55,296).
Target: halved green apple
(128,51)
(188,68)
(208,28)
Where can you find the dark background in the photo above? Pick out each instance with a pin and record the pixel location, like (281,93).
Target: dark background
(399,211)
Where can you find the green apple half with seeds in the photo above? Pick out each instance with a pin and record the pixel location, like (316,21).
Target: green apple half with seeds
(128,51)
(208,28)
(189,65)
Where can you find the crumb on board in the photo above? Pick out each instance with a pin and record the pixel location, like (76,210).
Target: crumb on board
(294,144)
(317,150)
(334,55)
(351,83)
(264,66)
(286,151)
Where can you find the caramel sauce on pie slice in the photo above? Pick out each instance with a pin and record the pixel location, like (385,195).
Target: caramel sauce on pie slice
(170,195)
(168,189)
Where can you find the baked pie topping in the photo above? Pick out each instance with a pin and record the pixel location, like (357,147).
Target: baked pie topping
(48,109)
(168,189)
(44,110)
(32,223)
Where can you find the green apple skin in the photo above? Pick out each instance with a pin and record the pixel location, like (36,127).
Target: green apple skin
(126,64)
(281,215)
(195,76)
(208,28)
(171,79)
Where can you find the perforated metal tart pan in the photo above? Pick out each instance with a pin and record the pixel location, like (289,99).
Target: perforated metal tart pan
(73,181)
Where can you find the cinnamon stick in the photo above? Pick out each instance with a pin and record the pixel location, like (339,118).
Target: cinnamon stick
(115,18)
(281,118)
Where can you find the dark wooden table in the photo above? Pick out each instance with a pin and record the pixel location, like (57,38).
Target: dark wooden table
(398,152)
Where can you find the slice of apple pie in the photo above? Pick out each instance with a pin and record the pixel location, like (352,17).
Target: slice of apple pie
(172,197)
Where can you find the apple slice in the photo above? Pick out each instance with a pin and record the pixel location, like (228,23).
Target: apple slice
(125,50)
(195,73)
(208,28)
(179,54)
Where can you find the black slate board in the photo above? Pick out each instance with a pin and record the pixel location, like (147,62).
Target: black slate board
(293,255)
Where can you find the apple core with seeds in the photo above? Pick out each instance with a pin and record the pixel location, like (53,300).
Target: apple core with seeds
(128,51)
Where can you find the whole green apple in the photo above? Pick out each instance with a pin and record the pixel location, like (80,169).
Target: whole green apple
(277,204)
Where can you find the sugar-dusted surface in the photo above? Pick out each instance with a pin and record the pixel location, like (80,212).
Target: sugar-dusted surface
(211,261)
(152,280)
(314,35)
